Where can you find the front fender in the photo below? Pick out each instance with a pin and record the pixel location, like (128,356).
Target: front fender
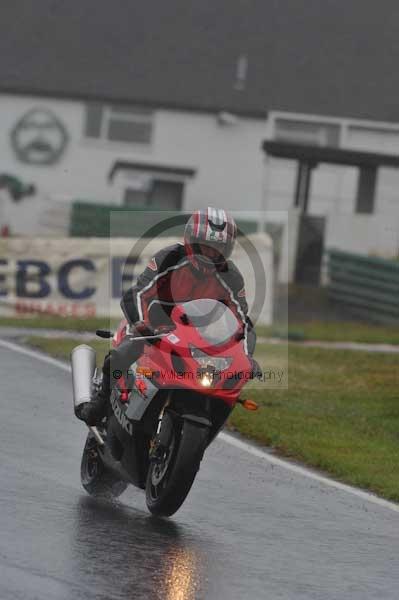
(196,419)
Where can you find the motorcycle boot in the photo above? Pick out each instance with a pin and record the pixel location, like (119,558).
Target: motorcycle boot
(93,412)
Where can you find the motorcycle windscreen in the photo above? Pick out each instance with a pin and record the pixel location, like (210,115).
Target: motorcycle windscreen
(215,322)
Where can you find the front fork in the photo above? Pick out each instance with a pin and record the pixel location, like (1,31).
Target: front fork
(95,387)
(160,442)
(97,435)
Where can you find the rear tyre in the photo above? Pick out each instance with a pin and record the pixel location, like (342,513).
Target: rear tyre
(95,478)
(170,480)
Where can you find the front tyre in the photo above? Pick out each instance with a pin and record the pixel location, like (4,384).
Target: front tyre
(170,479)
(95,478)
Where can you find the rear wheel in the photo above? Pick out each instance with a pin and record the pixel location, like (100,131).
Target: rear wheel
(171,476)
(95,478)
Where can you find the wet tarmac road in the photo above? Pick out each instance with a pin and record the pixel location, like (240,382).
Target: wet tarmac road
(248,529)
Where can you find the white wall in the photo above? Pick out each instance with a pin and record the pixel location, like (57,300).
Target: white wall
(363,234)
(333,189)
(227,158)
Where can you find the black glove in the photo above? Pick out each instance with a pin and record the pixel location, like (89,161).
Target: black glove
(142,328)
(90,413)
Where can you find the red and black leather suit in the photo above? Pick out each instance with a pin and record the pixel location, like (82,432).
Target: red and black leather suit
(171,278)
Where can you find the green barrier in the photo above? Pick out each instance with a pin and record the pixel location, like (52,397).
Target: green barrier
(367,286)
(89,219)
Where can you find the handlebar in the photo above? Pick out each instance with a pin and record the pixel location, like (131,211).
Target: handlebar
(157,336)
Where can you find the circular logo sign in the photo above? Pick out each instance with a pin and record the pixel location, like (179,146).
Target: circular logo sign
(39,137)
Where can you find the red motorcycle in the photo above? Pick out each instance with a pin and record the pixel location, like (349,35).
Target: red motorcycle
(167,407)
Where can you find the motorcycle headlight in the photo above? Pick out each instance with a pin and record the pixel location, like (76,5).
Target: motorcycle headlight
(218,363)
(206,379)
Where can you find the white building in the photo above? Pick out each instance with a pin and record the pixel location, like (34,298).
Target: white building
(166,105)
(124,155)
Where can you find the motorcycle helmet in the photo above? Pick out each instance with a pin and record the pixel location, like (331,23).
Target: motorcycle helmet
(209,237)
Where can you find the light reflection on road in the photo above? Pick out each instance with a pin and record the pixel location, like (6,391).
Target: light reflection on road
(181,580)
(133,554)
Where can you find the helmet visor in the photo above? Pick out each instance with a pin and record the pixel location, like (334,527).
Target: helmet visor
(210,253)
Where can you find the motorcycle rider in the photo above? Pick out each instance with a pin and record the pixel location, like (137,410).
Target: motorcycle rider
(198,268)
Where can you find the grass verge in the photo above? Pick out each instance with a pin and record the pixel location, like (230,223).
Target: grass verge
(63,323)
(62,347)
(339,414)
(329,331)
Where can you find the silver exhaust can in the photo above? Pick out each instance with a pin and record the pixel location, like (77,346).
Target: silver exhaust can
(83,363)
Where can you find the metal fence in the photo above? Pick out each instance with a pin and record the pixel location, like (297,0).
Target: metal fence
(367,286)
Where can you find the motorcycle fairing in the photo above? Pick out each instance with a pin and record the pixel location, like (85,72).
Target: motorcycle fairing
(140,400)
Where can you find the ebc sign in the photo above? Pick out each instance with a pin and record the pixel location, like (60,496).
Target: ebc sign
(32,278)
(39,137)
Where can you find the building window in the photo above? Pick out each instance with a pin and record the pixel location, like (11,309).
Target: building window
(157,194)
(376,139)
(119,123)
(314,133)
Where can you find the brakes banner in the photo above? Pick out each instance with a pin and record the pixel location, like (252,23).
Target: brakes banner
(75,277)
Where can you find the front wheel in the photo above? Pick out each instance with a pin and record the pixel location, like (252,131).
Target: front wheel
(95,478)
(170,478)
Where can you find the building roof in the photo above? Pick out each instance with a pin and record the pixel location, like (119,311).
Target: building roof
(245,56)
